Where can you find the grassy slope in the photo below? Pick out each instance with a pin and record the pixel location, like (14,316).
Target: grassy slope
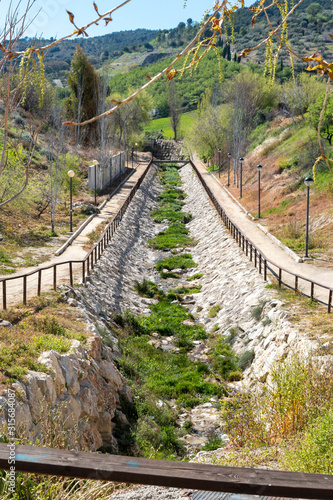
(162,125)
(287,153)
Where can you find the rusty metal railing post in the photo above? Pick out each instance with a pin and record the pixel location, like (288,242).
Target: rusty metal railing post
(71,274)
(24,290)
(4,295)
(83,271)
(39,283)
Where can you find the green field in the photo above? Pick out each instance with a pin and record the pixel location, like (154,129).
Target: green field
(162,125)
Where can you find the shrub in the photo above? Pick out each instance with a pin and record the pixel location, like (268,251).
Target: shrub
(146,288)
(256,311)
(222,358)
(212,312)
(194,277)
(183,261)
(214,442)
(315,451)
(246,359)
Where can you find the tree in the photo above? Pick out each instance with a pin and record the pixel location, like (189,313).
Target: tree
(126,123)
(174,109)
(210,129)
(297,95)
(326,123)
(84,83)
(247,93)
(313,9)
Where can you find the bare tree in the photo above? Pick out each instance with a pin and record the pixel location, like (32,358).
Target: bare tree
(174,109)
(57,166)
(12,95)
(103,124)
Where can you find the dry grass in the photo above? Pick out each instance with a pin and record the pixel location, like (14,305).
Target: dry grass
(95,235)
(45,323)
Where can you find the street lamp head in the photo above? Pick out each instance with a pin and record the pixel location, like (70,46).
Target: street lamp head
(259,167)
(241,159)
(219,150)
(229,154)
(95,162)
(308,181)
(70,173)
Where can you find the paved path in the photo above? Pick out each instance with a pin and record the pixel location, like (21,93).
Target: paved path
(76,251)
(270,249)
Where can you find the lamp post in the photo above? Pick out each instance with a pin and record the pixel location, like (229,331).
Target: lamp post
(136,147)
(71,174)
(259,168)
(229,156)
(241,178)
(219,151)
(95,162)
(308,181)
(132,155)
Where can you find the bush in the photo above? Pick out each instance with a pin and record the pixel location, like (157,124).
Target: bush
(222,358)
(315,452)
(146,288)
(246,359)
(212,312)
(256,311)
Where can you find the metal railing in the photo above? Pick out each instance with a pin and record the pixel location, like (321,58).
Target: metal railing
(75,268)
(261,262)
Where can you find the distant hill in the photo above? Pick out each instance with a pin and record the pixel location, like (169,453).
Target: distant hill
(98,49)
(127,51)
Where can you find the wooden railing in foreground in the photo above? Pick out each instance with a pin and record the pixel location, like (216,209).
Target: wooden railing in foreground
(167,473)
(87,264)
(261,262)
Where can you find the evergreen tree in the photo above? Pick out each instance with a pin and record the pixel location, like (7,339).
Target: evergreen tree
(84,84)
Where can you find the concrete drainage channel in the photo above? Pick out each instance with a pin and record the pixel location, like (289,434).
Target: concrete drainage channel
(228,281)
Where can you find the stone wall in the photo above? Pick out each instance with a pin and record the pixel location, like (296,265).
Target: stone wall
(83,388)
(165,150)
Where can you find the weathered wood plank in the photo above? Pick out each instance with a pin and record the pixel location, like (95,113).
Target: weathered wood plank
(169,474)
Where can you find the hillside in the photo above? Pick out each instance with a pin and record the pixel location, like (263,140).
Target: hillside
(287,152)
(120,52)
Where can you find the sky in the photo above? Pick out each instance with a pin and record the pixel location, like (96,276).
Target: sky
(52,20)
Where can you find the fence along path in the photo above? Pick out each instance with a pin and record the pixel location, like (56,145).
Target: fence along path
(286,271)
(68,268)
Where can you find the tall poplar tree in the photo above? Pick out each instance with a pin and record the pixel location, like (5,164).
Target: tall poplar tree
(84,83)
